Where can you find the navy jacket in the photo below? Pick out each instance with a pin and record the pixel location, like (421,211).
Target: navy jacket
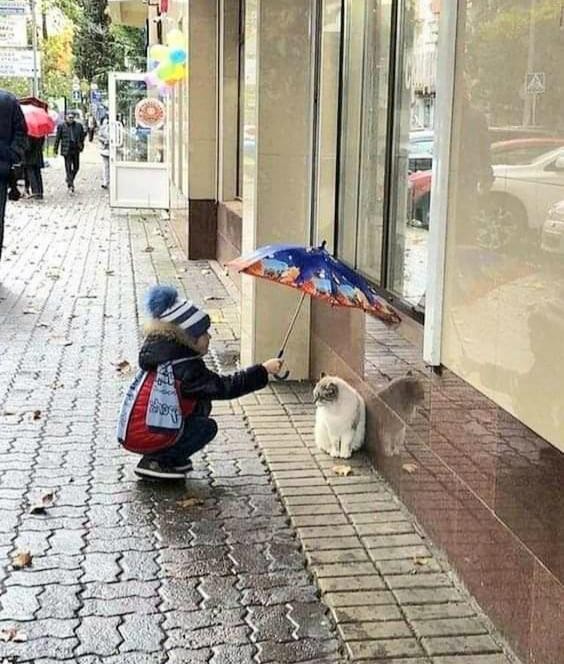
(13,133)
(70,137)
(196,380)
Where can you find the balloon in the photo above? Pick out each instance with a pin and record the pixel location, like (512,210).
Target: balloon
(175,39)
(179,72)
(159,52)
(177,56)
(151,79)
(165,71)
(164,89)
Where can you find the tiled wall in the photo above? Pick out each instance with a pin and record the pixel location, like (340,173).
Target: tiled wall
(488,490)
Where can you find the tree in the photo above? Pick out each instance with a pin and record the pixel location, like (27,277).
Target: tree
(94,44)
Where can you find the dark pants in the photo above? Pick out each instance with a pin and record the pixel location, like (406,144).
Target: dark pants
(72,164)
(3,198)
(198,432)
(91,135)
(35,180)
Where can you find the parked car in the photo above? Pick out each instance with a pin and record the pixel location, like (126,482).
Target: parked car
(421,144)
(552,237)
(520,159)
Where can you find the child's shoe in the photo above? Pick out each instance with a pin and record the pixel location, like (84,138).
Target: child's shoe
(151,468)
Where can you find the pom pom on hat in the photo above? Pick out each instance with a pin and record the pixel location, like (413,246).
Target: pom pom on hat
(160,298)
(163,303)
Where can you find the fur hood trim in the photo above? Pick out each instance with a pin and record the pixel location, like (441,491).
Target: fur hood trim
(158,328)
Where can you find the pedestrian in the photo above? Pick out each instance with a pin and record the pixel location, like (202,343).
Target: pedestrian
(70,137)
(33,163)
(165,415)
(104,140)
(91,126)
(13,133)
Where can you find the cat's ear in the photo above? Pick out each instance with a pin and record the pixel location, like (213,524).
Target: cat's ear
(409,373)
(322,375)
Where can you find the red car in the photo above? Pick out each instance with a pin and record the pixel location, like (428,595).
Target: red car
(512,152)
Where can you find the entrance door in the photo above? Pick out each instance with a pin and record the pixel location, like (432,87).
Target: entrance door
(138,159)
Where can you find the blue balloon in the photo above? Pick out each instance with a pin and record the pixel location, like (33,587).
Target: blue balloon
(178,56)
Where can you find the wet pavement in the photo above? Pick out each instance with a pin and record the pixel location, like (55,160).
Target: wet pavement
(210,571)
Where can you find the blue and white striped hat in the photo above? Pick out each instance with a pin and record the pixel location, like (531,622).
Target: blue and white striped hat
(164,304)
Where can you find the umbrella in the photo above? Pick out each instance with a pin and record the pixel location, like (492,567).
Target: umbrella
(315,272)
(33,101)
(39,122)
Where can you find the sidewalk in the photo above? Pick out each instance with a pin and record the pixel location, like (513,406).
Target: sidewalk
(125,571)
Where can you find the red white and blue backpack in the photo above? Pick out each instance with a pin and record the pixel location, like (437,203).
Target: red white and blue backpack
(152,413)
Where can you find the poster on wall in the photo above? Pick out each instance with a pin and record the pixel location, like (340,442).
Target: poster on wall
(150,113)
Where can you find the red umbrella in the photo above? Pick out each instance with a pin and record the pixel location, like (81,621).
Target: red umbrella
(39,122)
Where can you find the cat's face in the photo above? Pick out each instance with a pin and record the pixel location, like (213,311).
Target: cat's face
(326,391)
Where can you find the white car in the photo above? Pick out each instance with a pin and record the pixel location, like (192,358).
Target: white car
(521,195)
(552,239)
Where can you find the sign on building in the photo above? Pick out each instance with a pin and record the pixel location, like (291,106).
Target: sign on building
(13,7)
(13,30)
(18,62)
(536,83)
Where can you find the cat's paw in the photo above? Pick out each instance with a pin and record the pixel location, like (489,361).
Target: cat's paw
(335,454)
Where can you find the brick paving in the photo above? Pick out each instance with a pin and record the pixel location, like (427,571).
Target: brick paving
(213,571)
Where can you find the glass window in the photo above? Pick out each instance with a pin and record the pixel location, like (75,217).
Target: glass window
(351,130)
(328,120)
(135,142)
(412,149)
(374,138)
(504,319)
(240,101)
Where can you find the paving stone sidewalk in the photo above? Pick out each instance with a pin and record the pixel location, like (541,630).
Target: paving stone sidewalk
(213,571)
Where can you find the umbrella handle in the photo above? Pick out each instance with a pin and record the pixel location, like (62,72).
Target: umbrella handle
(283,376)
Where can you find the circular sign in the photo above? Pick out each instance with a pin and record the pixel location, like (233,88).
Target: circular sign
(150,113)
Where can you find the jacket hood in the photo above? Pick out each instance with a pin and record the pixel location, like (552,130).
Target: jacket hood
(164,343)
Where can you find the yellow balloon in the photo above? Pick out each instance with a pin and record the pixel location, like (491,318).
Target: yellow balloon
(175,38)
(179,72)
(159,52)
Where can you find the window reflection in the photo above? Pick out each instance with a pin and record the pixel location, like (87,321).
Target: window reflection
(505,267)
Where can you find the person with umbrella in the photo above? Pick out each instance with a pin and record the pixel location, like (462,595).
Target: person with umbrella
(33,163)
(70,138)
(12,145)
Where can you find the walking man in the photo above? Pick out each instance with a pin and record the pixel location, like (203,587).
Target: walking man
(70,136)
(13,133)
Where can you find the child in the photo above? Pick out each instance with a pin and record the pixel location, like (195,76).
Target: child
(178,334)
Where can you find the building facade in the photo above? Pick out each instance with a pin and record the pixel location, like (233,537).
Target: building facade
(424,141)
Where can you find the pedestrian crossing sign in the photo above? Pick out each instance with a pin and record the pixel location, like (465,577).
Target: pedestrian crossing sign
(536,83)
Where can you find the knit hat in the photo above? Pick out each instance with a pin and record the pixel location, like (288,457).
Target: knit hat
(164,304)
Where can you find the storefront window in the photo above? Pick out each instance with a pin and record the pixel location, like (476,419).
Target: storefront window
(374,138)
(413,141)
(328,120)
(387,139)
(503,312)
(351,130)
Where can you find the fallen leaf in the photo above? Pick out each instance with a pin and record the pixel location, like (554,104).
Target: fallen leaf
(12,634)
(36,415)
(22,559)
(211,298)
(122,367)
(42,504)
(148,250)
(206,272)
(409,467)
(189,502)
(30,312)
(420,561)
(110,273)
(342,471)
(42,325)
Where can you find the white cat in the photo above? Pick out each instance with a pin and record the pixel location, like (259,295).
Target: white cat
(340,420)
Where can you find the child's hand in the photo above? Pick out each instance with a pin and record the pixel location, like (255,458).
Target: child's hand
(273,366)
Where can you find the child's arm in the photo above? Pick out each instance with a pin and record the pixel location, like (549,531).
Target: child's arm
(212,385)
